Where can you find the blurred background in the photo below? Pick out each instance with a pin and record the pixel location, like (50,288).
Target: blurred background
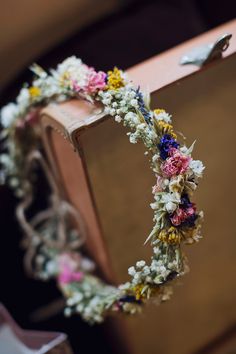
(103,33)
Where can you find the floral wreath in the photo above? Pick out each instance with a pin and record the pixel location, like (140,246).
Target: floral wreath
(176,220)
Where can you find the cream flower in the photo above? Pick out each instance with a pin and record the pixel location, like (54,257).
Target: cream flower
(197,167)
(170,201)
(9,114)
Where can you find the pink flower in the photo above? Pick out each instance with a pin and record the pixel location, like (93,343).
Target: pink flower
(158,186)
(75,86)
(68,264)
(67,276)
(96,81)
(176,164)
(178,217)
(181,215)
(93,82)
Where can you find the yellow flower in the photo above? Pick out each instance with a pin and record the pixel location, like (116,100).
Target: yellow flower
(158,111)
(165,128)
(138,291)
(145,291)
(34,91)
(114,79)
(171,236)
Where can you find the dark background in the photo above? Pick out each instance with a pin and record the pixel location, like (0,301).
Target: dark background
(138,31)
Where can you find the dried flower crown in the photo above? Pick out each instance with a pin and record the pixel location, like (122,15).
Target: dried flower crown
(176,220)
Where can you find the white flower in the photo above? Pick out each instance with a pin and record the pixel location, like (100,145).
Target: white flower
(70,64)
(73,67)
(131,118)
(146,271)
(118,118)
(197,167)
(171,201)
(112,112)
(131,271)
(87,265)
(78,297)
(157,251)
(140,264)
(107,101)
(137,276)
(79,308)
(163,116)
(133,138)
(23,99)
(9,114)
(67,311)
(170,207)
(134,102)
(51,267)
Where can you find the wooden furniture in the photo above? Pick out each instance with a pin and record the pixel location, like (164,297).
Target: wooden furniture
(109,181)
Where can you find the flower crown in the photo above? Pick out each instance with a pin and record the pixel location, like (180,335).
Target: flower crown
(176,220)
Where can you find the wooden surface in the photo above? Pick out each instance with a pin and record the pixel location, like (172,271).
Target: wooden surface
(164,69)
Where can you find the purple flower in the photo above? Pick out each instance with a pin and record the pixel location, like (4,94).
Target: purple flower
(166,144)
(142,107)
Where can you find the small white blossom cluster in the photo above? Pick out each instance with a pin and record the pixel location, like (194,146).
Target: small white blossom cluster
(162,264)
(91,298)
(49,85)
(8,114)
(10,169)
(124,107)
(145,133)
(119,103)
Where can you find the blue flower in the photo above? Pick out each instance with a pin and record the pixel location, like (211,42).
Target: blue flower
(142,107)
(167,142)
(186,204)
(190,221)
(185,201)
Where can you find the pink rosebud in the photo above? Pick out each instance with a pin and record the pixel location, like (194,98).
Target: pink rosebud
(176,164)
(68,264)
(178,217)
(96,81)
(67,276)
